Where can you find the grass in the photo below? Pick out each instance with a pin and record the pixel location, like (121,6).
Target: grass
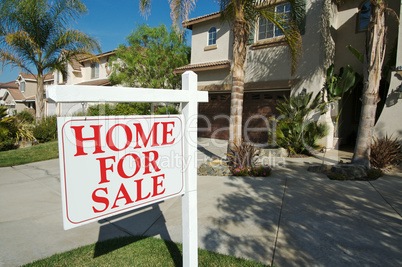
(29,154)
(136,251)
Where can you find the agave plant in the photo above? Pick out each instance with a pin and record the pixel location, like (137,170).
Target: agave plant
(242,157)
(385,152)
(294,131)
(13,130)
(24,131)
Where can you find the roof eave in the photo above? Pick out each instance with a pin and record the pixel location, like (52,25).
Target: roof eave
(188,24)
(225,65)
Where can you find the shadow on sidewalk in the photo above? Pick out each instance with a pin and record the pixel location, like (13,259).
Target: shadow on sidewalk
(207,153)
(137,226)
(304,222)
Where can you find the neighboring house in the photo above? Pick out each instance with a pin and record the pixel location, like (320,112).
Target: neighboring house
(19,95)
(327,31)
(6,97)
(83,71)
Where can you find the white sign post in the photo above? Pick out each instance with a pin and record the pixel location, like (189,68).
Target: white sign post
(109,165)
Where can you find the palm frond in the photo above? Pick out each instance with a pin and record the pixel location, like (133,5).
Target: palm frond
(180,9)
(252,10)
(145,7)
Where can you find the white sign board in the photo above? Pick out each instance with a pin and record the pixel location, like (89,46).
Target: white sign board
(110,165)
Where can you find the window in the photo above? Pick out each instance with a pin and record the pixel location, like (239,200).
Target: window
(268,96)
(94,70)
(212,36)
(266,29)
(66,73)
(255,97)
(364,16)
(22,87)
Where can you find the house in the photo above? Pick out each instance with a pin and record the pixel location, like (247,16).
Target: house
(19,95)
(6,98)
(82,71)
(327,31)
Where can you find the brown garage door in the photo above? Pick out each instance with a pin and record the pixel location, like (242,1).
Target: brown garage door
(257,107)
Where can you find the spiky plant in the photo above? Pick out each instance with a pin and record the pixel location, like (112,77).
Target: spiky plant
(294,131)
(385,152)
(242,157)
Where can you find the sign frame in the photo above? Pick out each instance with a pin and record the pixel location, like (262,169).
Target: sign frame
(189,96)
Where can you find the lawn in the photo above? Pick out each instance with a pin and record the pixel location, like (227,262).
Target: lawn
(136,251)
(29,154)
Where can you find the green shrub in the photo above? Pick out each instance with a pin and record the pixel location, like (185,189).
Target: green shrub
(239,171)
(119,109)
(293,131)
(25,116)
(99,110)
(8,144)
(46,129)
(8,130)
(385,152)
(260,171)
(168,110)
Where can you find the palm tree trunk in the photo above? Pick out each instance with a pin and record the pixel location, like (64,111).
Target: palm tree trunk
(39,103)
(240,35)
(374,58)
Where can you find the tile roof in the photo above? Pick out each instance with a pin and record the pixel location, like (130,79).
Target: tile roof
(16,94)
(29,76)
(204,66)
(188,23)
(7,85)
(3,93)
(31,98)
(97,82)
(77,63)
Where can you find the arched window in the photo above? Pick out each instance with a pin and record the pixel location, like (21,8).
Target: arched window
(212,36)
(364,16)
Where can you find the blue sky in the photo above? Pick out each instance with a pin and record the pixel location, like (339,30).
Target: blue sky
(112,21)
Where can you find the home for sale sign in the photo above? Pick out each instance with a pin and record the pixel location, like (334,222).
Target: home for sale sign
(109,165)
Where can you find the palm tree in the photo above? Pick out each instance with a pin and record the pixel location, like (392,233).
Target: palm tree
(242,14)
(33,34)
(373,62)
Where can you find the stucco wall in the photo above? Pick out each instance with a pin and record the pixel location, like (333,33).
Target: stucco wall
(86,71)
(390,121)
(220,76)
(84,74)
(264,64)
(30,88)
(347,34)
(199,41)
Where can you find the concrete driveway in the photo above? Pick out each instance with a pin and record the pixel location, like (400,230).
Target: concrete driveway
(293,218)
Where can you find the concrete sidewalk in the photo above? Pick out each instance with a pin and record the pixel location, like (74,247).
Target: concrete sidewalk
(293,218)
